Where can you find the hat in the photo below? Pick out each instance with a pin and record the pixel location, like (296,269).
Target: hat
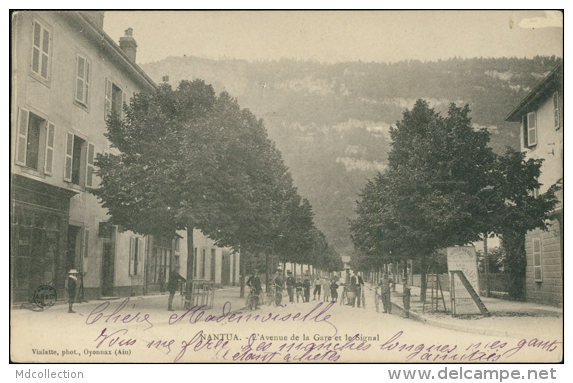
(73,271)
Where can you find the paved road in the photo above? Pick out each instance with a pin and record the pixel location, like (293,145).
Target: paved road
(141,330)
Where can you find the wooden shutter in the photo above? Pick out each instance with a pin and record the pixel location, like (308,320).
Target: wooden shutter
(537,268)
(108,94)
(90,165)
(87,84)
(50,137)
(140,256)
(86,243)
(531,129)
(80,78)
(69,157)
(556,114)
(22,137)
(131,254)
(123,102)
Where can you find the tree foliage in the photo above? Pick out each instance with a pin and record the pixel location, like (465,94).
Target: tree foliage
(445,186)
(192,159)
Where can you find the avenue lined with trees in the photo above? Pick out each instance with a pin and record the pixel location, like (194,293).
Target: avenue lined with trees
(193,160)
(444,186)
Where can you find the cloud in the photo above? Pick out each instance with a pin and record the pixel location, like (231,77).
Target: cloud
(551,19)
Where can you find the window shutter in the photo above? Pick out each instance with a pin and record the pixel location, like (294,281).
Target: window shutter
(531,129)
(537,269)
(123,102)
(87,85)
(108,90)
(90,165)
(45,53)
(86,243)
(50,136)
(36,48)
(22,137)
(556,114)
(131,254)
(80,74)
(140,256)
(69,157)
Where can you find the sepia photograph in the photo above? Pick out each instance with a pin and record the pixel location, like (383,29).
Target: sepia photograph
(293,186)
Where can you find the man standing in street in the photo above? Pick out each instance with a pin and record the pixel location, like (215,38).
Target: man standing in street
(254,282)
(306,285)
(385,290)
(172,285)
(72,283)
(317,288)
(290,283)
(359,288)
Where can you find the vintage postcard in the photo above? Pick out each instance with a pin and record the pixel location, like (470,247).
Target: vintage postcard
(286,187)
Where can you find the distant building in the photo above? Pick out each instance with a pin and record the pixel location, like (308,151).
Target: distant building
(67,76)
(541,135)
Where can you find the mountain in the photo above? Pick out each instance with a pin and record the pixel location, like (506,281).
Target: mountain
(331,121)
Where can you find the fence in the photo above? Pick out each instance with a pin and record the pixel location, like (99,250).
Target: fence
(498,284)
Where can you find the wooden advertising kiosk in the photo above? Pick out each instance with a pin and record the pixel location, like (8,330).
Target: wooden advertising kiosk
(464,283)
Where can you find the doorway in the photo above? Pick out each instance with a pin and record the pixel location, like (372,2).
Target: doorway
(107,268)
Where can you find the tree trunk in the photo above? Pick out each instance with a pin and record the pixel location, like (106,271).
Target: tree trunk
(241,273)
(190,266)
(424,282)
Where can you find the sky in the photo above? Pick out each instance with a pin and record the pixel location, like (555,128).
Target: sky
(336,36)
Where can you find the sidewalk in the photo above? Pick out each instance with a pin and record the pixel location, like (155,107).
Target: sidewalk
(154,302)
(508,318)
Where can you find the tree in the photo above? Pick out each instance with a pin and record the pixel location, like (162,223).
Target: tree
(191,159)
(443,187)
(518,210)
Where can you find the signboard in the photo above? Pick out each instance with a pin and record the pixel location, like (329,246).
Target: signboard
(463,258)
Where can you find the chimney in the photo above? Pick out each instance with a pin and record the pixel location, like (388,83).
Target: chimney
(165,79)
(127,44)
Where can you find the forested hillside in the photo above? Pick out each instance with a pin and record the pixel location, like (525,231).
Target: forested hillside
(331,121)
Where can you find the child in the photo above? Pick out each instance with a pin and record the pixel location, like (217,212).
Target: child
(326,289)
(299,290)
(334,290)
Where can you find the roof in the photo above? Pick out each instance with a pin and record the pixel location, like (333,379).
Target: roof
(98,34)
(539,94)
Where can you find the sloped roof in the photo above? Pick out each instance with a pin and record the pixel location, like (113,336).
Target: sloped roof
(539,94)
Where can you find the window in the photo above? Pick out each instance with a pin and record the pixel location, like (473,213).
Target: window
(114,98)
(537,268)
(529,130)
(82,80)
(35,144)
(41,51)
(135,255)
(556,112)
(76,161)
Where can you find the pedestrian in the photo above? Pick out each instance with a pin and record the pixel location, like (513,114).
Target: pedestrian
(306,285)
(72,282)
(334,290)
(254,282)
(172,286)
(317,288)
(359,289)
(299,290)
(291,285)
(385,291)
(406,297)
(326,289)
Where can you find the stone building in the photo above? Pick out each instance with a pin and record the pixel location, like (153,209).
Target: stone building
(541,136)
(67,76)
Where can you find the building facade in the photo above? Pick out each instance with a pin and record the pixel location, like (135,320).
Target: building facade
(541,136)
(68,76)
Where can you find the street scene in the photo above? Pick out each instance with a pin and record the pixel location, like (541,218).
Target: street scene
(287,187)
